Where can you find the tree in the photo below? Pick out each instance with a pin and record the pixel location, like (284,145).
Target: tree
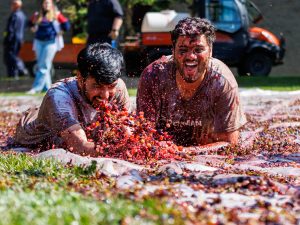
(128,6)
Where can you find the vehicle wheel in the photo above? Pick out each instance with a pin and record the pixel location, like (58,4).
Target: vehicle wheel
(256,64)
(52,70)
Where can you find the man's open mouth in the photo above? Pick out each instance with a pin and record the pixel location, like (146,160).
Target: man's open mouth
(190,65)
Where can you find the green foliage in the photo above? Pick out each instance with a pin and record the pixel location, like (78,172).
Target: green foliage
(131,3)
(77,10)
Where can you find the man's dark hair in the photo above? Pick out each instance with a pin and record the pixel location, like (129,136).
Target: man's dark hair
(193,26)
(101,61)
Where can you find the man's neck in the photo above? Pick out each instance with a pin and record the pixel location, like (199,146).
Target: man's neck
(187,90)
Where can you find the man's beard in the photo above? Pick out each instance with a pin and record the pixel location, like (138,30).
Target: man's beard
(198,74)
(188,79)
(83,93)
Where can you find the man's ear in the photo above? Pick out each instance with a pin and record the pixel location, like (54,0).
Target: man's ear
(80,79)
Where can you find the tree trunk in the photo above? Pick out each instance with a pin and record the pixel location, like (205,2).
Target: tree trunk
(128,28)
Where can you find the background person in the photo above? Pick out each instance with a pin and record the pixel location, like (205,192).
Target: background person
(70,105)
(47,26)
(13,39)
(190,94)
(104,20)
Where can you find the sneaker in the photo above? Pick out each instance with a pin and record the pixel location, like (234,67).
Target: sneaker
(31,92)
(24,72)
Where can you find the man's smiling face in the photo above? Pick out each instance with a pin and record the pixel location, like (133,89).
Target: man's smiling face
(95,92)
(191,56)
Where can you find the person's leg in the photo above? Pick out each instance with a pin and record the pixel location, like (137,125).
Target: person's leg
(45,52)
(19,62)
(10,61)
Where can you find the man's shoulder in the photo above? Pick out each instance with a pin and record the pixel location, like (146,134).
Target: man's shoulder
(221,71)
(66,85)
(159,67)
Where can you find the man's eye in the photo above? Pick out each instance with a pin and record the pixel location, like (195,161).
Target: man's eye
(199,50)
(181,51)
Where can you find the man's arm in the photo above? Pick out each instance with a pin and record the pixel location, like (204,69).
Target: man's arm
(11,29)
(117,23)
(145,100)
(77,142)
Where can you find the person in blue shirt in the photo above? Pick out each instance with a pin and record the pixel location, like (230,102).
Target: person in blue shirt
(47,25)
(13,39)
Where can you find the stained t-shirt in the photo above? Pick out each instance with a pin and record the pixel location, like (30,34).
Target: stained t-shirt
(214,108)
(62,107)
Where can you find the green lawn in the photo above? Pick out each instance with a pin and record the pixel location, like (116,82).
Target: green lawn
(270,83)
(45,192)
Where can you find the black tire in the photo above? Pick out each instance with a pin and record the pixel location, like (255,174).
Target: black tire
(256,64)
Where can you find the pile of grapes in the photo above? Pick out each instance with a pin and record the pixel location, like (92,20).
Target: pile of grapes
(129,136)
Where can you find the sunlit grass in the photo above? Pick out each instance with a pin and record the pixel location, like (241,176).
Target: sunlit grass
(132,91)
(21,93)
(35,191)
(270,83)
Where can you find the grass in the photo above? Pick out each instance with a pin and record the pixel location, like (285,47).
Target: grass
(132,91)
(34,191)
(270,83)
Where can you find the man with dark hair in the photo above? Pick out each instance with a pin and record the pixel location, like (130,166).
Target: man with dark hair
(13,39)
(190,94)
(70,104)
(104,19)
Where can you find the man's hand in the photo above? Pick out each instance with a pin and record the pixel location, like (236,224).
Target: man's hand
(113,34)
(230,137)
(205,148)
(76,141)
(117,23)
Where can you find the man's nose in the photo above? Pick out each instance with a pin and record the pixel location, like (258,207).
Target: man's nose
(191,55)
(104,94)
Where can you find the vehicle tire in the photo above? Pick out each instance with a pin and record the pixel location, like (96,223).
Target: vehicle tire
(52,70)
(256,64)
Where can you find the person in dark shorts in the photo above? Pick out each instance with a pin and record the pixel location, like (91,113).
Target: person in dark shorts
(70,104)
(13,39)
(104,19)
(190,94)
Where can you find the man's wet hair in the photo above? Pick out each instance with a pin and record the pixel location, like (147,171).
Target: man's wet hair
(102,62)
(192,27)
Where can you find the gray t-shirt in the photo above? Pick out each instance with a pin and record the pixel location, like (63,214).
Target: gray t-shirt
(214,108)
(62,107)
